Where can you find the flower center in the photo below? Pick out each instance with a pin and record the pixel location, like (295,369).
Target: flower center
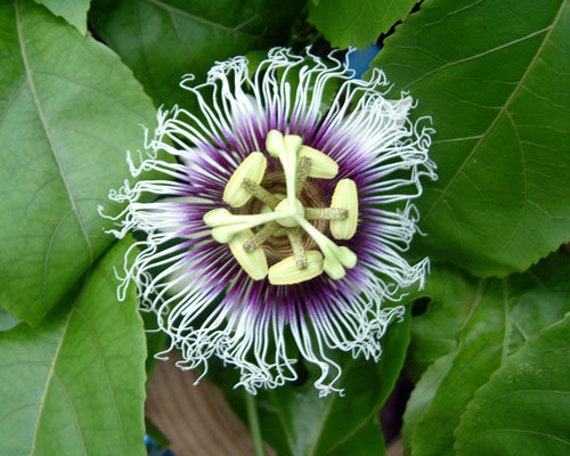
(284,214)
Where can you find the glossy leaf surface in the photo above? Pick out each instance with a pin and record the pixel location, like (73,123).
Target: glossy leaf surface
(493,319)
(70,110)
(73,11)
(525,406)
(495,77)
(75,383)
(357,23)
(164,40)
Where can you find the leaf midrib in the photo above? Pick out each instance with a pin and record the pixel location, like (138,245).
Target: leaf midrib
(51,373)
(549,30)
(200,20)
(45,126)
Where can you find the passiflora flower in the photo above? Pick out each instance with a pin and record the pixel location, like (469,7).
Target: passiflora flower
(278,229)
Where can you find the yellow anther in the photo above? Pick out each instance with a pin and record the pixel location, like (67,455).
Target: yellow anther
(322,166)
(286,272)
(254,262)
(345,197)
(252,168)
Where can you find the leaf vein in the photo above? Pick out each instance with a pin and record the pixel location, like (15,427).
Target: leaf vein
(47,131)
(504,108)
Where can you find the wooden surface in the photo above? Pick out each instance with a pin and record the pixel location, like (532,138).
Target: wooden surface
(196,419)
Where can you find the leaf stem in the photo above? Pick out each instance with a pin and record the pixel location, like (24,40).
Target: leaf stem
(254,428)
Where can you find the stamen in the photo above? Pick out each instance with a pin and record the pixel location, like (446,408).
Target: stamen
(345,197)
(294,235)
(261,236)
(254,262)
(253,169)
(286,213)
(325,213)
(303,168)
(260,193)
(286,272)
(322,166)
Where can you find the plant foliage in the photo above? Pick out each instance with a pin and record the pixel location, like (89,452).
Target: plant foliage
(489,353)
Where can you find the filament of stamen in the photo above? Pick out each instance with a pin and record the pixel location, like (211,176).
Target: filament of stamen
(303,168)
(261,236)
(294,235)
(336,258)
(325,213)
(260,193)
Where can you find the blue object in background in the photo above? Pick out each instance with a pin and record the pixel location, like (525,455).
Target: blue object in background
(359,60)
(152,449)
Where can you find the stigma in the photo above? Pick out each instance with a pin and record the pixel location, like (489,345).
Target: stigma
(278,210)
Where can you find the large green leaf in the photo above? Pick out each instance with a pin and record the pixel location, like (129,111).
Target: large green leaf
(164,40)
(75,383)
(7,320)
(295,421)
(69,110)
(525,407)
(491,319)
(356,22)
(73,11)
(495,77)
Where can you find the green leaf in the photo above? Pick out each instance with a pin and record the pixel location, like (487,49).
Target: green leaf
(295,421)
(7,320)
(75,383)
(367,441)
(525,407)
(70,110)
(73,11)
(492,319)
(434,332)
(194,34)
(356,22)
(495,77)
